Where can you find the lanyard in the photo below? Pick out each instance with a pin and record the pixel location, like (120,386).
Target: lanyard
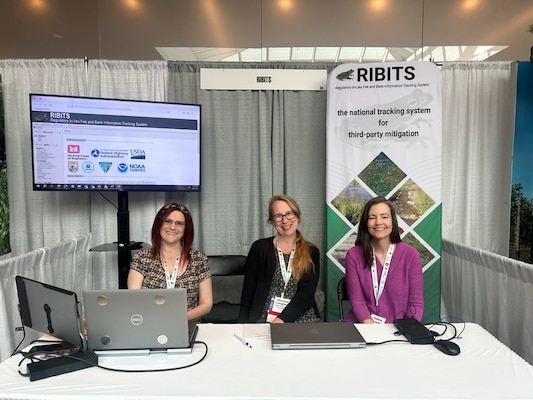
(171,280)
(378,289)
(286,269)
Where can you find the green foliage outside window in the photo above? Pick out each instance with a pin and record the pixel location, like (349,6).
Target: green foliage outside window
(521,237)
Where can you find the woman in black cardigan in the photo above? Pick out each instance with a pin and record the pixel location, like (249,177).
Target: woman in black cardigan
(282,271)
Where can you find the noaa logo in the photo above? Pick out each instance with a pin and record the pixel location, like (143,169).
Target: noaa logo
(136,319)
(88,167)
(95,153)
(122,167)
(137,168)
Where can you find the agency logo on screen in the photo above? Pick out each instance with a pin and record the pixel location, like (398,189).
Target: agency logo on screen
(95,153)
(73,149)
(137,168)
(73,166)
(137,154)
(122,167)
(105,166)
(88,167)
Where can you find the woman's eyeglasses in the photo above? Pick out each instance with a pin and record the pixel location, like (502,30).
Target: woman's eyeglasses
(178,224)
(279,217)
(172,206)
(177,206)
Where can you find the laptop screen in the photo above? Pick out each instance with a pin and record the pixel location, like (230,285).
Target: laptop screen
(50,309)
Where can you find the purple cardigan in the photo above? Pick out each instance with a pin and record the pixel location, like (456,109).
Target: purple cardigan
(403,294)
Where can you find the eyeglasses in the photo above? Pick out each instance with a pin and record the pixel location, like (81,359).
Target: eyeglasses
(279,217)
(177,206)
(178,224)
(173,206)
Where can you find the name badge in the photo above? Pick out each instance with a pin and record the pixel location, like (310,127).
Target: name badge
(377,319)
(277,305)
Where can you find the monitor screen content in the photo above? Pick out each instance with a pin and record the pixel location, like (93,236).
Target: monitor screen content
(95,144)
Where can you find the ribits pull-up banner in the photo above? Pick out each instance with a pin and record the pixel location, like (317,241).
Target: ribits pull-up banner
(384,138)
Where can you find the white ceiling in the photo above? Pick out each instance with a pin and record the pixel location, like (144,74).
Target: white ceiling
(436,54)
(267,30)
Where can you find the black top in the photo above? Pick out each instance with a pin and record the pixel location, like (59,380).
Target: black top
(261,263)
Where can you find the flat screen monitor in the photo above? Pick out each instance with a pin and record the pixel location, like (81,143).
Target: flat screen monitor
(98,144)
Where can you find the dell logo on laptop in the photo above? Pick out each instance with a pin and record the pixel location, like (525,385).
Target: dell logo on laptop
(136,319)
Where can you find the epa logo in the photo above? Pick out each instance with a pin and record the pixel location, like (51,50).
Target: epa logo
(95,153)
(122,167)
(88,167)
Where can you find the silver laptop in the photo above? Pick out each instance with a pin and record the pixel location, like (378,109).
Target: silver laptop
(137,322)
(316,335)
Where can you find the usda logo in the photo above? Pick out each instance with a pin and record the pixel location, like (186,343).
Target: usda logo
(137,154)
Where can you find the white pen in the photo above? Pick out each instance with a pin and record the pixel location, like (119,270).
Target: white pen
(240,339)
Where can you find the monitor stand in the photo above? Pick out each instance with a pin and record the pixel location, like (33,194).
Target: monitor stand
(124,246)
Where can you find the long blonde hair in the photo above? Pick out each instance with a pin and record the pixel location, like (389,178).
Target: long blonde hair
(302,261)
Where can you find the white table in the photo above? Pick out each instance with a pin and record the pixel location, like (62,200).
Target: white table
(485,369)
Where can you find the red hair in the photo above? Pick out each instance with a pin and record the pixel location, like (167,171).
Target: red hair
(188,234)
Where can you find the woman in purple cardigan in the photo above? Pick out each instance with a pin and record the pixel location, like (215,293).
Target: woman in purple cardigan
(384,277)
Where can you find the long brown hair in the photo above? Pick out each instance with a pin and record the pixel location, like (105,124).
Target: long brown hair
(188,234)
(302,260)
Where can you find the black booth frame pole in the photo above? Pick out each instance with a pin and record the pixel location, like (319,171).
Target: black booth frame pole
(123,229)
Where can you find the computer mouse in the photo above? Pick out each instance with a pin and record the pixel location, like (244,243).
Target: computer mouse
(447,347)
